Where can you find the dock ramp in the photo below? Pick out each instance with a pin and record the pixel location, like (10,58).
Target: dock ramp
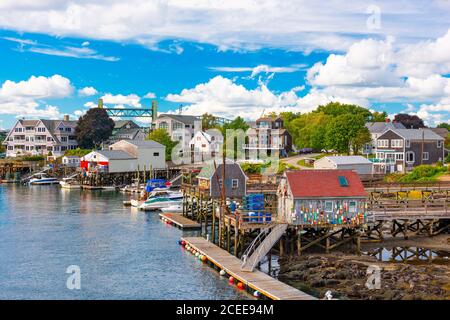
(261,246)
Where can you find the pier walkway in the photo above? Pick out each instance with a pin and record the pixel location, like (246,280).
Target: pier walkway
(178,220)
(257,280)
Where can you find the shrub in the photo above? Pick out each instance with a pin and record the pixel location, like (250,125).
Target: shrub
(423,173)
(77,152)
(33,158)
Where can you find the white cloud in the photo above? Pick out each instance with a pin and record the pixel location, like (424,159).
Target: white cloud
(132,100)
(232,24)
(150,95)
(83,52)
(87,91)
(221,96)
(23,98)
(263,68)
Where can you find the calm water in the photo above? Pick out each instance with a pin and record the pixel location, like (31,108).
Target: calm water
(122,253)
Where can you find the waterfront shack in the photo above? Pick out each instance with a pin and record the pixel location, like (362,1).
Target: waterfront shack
(210,180)
(148,153)
(108,161)
(360,164)
(322,198)
(71,161)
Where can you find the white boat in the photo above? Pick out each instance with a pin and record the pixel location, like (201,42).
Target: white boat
(175,208)
(158,203)
(42,179)
(69,183)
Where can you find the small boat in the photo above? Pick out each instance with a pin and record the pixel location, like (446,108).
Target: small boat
(109,188)
(175,208)
(158,203)
(42,179)
(70,183)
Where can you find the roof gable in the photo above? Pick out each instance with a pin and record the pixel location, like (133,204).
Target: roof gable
(325,184)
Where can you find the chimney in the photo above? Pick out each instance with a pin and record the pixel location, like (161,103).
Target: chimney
(100,103)
(66,117)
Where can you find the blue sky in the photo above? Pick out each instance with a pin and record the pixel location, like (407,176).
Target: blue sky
(227,58)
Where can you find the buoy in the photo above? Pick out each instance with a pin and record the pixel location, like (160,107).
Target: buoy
(203,258)
(183,242)
(197,254)
(256,294)
(222,272)
(231,280)
(240,286)
(180,243)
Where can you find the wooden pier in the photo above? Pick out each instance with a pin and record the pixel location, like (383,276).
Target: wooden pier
(256,280)
(178,220)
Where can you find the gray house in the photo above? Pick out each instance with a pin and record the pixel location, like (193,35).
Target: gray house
(399,150)
(376,129)
(359,164)
(210,180)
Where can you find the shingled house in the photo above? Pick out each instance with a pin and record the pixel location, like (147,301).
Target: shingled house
(399,150)
(321,197)
(210,179)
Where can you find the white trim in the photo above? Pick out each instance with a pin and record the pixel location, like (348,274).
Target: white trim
(413,159)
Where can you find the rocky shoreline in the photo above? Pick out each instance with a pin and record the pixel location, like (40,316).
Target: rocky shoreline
(346,276)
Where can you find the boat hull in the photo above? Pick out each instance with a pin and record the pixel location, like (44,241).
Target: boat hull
(44,182)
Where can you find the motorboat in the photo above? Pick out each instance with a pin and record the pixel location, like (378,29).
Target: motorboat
(42,179)
(157,203)
(175,208)
(70,183)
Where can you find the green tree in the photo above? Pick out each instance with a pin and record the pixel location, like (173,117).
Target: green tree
(161,136)
(342,130)
(336,109)
(237,124)
(444,125)
(308,130)
(362,137)
(209,121)
(93,128)
(2,138)
(379,116)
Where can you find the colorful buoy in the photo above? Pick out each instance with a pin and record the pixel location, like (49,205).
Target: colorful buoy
(231,280)
(256,294)
(203,258)
(240,286)
(222,272)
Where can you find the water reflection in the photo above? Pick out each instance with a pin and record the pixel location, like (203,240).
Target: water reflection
(412,255)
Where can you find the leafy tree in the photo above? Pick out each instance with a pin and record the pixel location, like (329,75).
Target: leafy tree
(161,136)
(209,121)
(379,116)
(342,130)
(236,124)
(336,109)
(2,138)
(93,128)
(444,125)
(409,121)
(308,130)
(77,152)
(362,137)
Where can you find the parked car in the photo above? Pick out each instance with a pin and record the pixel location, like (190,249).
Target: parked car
(3,155)
(305,150)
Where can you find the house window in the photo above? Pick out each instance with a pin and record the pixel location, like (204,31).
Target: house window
(425,156)
(380,155)
(383,143)
(64,139)
(156,154)
(410,157)
(234,183)
(328,206)
(407,144)
(397,143)
(399,156)
(163,125)
(203,145)
(439,144)
(352,207)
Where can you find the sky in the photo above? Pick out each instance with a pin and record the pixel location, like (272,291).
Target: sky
(229,58)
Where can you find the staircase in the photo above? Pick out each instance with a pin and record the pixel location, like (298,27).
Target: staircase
(261,246)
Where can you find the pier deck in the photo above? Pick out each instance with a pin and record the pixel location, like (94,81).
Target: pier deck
(180,221)
(256,280)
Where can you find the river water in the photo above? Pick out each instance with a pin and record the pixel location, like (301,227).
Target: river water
(122,253)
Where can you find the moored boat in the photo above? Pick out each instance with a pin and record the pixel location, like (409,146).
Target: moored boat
(42,179)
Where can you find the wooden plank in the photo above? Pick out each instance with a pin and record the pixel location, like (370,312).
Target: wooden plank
(257,280)
(180,221)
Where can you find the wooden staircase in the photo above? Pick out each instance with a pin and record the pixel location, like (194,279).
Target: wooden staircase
(261,246)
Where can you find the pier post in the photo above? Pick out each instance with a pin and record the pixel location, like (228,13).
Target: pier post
(299,242)
(282,247)
(213,230)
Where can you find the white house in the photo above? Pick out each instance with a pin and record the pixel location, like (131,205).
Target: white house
(205,145)
(110,161)
(71,161)
(356,163)
(148,153)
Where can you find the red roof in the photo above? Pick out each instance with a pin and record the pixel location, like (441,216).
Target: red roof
(324,183)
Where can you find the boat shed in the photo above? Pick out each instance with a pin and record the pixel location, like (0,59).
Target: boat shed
(109,161)
(360,164)
(149,153)
(210,179)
